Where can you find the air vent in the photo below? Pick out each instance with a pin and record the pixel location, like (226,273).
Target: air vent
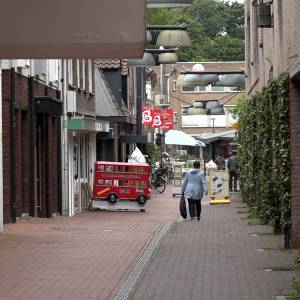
(264,15)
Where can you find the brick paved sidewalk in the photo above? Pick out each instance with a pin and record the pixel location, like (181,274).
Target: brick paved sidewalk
(219,258)
(84,257)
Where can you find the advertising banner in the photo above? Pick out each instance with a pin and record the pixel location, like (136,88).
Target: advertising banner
(219,186)
(167,116)
(158,118)
(147,116)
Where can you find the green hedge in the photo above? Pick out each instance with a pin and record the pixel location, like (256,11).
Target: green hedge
(264,153)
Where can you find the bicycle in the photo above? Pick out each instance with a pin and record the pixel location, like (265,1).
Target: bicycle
(159,183)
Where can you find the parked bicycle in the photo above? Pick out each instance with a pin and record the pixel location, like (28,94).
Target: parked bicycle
(158,183)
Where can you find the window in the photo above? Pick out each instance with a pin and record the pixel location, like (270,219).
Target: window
(53,70)
(184,109)
(174,86)
(192,89)
(218,89)
(40,68)
(78,72)
(175,116)
(83,74)
(70,71)
(90,72)
(209,89)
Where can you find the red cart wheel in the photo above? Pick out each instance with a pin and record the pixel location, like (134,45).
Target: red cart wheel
(112,198)
(142,199)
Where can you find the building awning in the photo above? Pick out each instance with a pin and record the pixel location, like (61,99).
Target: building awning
(177,137)
(106,104)
(72,29)
(85,124)
(213,137)
(48,105)
(137,139)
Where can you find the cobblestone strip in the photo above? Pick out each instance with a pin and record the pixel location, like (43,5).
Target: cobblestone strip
(129,283)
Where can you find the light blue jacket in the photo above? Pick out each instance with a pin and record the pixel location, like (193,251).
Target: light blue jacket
(194,184)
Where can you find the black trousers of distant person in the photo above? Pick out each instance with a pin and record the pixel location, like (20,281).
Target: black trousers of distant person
(194,206)
(233,177)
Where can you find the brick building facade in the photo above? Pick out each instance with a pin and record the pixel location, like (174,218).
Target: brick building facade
(270,51)
(181,99)
(35,181)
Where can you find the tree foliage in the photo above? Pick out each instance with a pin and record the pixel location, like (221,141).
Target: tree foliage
(216,29)
(264,153)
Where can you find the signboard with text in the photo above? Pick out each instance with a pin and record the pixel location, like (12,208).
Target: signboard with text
(158,118)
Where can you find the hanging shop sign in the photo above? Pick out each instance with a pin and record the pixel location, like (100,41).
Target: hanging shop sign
(158,118)
(167,116)
(147,116)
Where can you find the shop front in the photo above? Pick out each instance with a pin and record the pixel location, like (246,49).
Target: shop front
(82,156)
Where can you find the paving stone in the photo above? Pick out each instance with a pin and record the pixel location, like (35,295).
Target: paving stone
(218,258)
(83,257)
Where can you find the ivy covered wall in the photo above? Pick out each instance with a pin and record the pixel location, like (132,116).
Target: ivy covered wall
(264,153)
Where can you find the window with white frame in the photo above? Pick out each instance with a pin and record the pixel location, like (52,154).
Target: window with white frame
(90,72)
(70,71)
(78,72)
(53,71)
(40,68)
(209,89)
(83,74)
(23,63)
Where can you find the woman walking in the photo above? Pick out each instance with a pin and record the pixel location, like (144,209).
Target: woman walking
(193,187)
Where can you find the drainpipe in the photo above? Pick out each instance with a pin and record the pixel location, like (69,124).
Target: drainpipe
(1,156)
(139,93)
(13,144)
(31,119)
(66,199)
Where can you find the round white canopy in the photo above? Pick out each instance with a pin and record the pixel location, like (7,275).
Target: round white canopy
(177,137)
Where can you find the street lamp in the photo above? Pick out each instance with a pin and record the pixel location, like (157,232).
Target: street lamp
(171,35)
(168,3)
(147,61)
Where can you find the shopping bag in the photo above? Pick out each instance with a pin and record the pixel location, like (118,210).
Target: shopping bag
(182,207)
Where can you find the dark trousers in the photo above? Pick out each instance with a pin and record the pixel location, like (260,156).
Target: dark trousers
(232,177)
(194,205)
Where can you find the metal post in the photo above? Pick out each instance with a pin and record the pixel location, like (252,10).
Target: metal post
(139,94)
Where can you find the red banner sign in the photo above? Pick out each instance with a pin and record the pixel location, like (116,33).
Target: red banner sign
(147,116)
(158,118)
(167,119)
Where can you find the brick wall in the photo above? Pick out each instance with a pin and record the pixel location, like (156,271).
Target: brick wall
(278,47)
(22,147)
(295,161)
(85,101)
(278,51)
(6,144)
(179,99)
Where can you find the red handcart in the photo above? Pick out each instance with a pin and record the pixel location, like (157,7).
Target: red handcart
(121,185)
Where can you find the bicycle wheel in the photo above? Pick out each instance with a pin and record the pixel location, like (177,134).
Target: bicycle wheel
(160,185)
